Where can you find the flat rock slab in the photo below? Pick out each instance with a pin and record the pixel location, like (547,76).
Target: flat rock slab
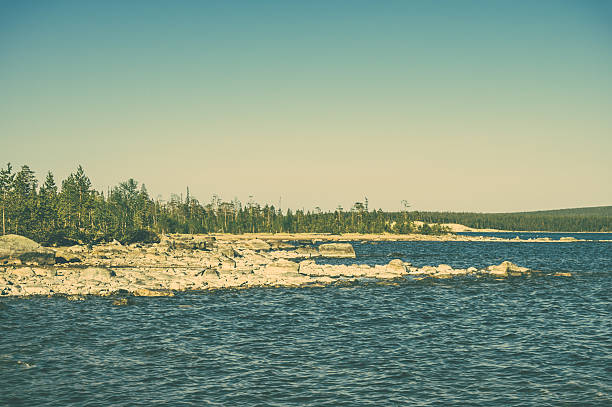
(340,250)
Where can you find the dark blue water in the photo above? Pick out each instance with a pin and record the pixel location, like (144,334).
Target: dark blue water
(524,341)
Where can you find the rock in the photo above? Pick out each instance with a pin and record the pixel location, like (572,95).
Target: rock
(210,273)
(35,289)
(119,302)
(15,247)
(23,272)
(305,265)
(343,250)
(110,249)
(187,242)
(256,244)
(310,268)
(228,264)
(424,270)
(505,268)
(396,266)
(307,251)
(146,292)
(276,245)
(226,250)
(444,268)
(44,272)
(65,256)
(254,259)
(97,273)
(282,267)
(75,297)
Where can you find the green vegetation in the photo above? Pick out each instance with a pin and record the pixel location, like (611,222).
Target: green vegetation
(596,219)
(77,213)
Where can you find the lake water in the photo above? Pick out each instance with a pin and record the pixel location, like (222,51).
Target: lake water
(523,341)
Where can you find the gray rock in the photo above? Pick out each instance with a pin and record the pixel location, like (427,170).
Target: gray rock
(15,247)
(343,250)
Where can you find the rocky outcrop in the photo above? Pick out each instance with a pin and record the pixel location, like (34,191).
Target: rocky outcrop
(15,249)
(506,268)
(340,250)
(307,251)
(178,263)
(285,268)
(254,244)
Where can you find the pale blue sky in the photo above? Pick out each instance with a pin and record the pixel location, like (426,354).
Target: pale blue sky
(451,105)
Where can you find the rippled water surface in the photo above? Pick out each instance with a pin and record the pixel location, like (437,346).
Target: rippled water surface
(541,341)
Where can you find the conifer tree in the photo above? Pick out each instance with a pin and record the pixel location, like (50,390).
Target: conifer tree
(6,186)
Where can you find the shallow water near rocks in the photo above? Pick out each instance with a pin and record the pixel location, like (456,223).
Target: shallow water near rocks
(540,340)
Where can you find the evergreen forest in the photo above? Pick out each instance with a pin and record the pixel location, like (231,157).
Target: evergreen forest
(73,212)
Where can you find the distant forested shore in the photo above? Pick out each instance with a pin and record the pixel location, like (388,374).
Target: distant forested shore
(594,219)
(75,212)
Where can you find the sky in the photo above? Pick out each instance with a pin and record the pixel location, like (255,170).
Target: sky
(488,106)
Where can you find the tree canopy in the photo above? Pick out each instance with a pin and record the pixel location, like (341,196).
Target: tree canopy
(78,213)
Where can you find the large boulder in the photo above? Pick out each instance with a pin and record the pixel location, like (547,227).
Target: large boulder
(337,250)
(15,247)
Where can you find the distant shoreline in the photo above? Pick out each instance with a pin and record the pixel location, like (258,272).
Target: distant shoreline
(458,228)
(382,237)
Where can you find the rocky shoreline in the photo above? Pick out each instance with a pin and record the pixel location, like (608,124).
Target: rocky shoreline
(207,262)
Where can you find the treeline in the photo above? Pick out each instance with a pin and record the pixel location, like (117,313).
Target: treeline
(74,212)
(562,221)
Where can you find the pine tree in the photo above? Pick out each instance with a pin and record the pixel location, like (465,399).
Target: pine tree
(6,187)
(48,210)
(23,201)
